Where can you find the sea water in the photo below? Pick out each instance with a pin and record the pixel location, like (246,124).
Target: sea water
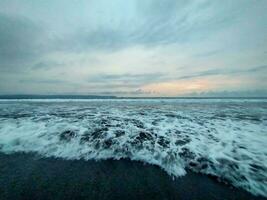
(226,138)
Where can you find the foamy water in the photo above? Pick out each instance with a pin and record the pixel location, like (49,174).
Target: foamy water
(225,138)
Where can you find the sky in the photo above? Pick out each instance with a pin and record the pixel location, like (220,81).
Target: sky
(133,47)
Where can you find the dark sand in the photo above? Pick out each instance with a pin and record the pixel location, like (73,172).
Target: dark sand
(26,176)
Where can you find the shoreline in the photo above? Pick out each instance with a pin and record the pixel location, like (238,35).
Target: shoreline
(28,176)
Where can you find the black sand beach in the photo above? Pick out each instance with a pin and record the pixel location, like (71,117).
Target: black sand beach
(27,176)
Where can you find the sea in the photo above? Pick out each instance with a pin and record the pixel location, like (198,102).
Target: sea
(221,137)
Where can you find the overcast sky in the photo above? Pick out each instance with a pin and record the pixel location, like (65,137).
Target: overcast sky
(133,47)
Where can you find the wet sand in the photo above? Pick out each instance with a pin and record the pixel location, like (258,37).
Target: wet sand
(27,176)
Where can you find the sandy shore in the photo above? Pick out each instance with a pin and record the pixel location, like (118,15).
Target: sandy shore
(27,176)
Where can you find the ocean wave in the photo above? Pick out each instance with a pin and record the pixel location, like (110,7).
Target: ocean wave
(223,138)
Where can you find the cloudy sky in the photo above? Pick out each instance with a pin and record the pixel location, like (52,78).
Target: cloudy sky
(133,47)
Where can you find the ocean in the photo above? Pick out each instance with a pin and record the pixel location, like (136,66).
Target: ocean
(224,138)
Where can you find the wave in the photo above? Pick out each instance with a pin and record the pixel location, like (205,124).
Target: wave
(225,139)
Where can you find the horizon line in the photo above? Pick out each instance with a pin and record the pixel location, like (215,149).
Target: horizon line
(92,96)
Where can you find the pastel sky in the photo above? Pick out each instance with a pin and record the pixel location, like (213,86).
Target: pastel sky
(133,47)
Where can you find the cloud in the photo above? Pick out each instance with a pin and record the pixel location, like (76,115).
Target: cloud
(42,81)
(154,23)
(138,92)
(257,69)
(45,65)
(126,77)
(126,80)
(20,42)
(119,24)
(246,93)
(126,45)
(233,71)
(209,53)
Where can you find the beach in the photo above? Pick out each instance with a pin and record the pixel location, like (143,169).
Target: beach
(29,176)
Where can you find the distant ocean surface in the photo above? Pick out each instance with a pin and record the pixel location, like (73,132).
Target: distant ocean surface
(226,138)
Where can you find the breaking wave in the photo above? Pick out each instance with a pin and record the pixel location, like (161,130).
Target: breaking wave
(226,139)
